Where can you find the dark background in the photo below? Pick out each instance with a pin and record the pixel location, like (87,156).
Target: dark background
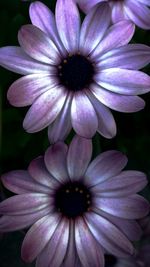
(18,148)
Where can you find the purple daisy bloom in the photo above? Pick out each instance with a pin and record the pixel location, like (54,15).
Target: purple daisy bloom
(78,209)
(135,10)
(74,74)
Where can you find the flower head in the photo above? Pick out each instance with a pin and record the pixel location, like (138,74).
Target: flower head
(73,74)
(77,209)
(135,10)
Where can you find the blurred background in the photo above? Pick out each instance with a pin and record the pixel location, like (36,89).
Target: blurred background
(18,148)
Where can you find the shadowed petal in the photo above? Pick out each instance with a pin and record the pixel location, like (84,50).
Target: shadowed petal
(42,17)
(83,116)
(117,13)
(117,35)
(109,236)
(21,182)
(94,27)
(25,90)
(60,128)
(90,253)
(24,204)
(133,207)
(55,250)
(122,103)
(123,81)
(131,56)
(38,236)
(86,5)
(38,45)
(79,156)
(124,184)
(55,161)
(14,59)
(44,110)
(104,166)
(68,24)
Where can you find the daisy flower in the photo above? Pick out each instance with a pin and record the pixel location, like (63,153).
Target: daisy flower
(74,74)
(77,209)
(135,10)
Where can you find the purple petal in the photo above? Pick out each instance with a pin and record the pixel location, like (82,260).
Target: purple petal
(106,122)
(38,236)
(55,161)
(132,207)
(145,2)
(44,110)
(21,182)
(104,166)
(42,17)
(117,13)
(94,27)
(122,103)
(55,250)
(89,252)
(83,116)
(138,13)
(38,45)
(131,56)
(14,59)
(77,165)
(68,24)
(40,174)
(117,35)
(124,184)
(86,5)
(24,204)
(24,91)
(122,81)
(61,127)
(109,236)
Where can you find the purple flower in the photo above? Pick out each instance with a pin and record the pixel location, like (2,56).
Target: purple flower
(73,74)
(78,209)
(135,10)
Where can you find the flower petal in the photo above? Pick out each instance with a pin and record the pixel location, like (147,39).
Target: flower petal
(89,252)
(21,182)
(131,56)
(38,45)
(117,13)
(38,236)
(86,5)
(55,250)
(44,110)
(55,161)
(25,90)
(68,24)
(94,27)
(14,59)
(132,207)
(104,166)
(124,184)
(42,17)
(77,165)
(60,128)
(117,35)
(109,236)
(83,116)
(123,81)
(122,103)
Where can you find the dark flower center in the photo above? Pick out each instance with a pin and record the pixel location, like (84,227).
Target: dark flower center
(72,199)
(75,72)
(110,260)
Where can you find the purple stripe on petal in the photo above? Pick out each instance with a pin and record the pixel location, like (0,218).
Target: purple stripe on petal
(68,24)
(38,236)
(83,115)
(14,59)
(79,156)
(38,45)
(104,166)
(44,110)
(122,103)
(89,252)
